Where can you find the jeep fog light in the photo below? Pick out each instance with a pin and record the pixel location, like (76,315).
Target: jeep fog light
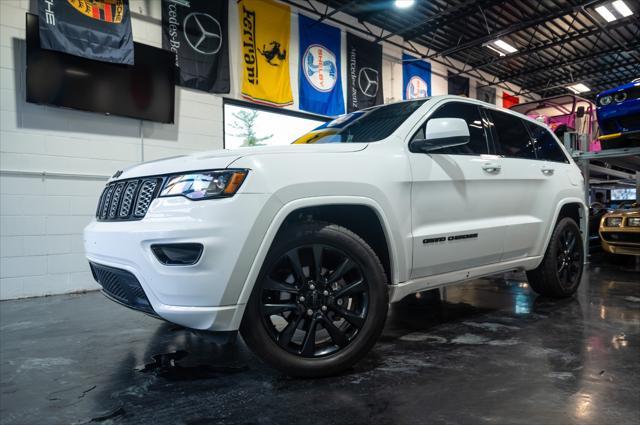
(177,254)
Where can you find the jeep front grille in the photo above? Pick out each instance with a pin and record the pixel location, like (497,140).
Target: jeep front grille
(127,199)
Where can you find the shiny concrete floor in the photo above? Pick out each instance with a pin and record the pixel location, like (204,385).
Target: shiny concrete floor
(491,353)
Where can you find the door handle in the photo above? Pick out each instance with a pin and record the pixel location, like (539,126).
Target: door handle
(491,167)
(547,171)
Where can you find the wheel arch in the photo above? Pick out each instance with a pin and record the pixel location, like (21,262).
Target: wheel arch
(574,208)
(325,208)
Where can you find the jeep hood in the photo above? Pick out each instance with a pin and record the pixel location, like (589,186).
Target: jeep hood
(223,158)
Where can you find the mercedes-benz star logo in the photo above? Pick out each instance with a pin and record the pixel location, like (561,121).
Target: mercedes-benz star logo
(203,33)
(368,82)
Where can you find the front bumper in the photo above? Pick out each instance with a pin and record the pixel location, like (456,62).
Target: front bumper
(620,119)
(624,241)
(200,296)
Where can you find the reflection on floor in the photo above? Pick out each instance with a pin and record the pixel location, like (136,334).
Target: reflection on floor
(491,352)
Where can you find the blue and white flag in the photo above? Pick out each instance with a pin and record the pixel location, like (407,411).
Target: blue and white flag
(320,82)
(416,77)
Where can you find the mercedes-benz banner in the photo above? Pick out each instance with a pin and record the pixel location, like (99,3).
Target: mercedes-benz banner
(364,73)
(196,31)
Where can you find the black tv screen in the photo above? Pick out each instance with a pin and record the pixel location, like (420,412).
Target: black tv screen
(145,90)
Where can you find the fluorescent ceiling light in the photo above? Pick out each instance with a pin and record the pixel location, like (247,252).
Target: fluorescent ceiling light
(403,4)
(622,8)
(489,46)
(578,88)
(606,13)
(506,47)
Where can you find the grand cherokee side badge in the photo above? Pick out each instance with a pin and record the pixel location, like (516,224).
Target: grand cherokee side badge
(450,238)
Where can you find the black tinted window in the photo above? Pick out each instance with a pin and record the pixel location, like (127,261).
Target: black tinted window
(547,147)
(511,137)
(368,125)
(471,114)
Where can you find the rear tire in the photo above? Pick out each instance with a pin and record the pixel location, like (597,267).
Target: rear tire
(320,316)
(559,274)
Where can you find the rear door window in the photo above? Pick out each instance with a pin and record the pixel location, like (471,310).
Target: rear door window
(511,137)
(547,148)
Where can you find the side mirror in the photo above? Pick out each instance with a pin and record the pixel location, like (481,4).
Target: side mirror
(441,133)
(580,112)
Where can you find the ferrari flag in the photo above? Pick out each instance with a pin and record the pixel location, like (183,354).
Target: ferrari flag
(264,36)
(320,82)
(94,29)
(416,77)
(364,82)
(196,31)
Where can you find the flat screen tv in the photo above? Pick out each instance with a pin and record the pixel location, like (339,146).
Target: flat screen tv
(145,90)
(627,194)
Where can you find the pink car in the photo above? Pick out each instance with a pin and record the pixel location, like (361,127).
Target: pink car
(566,113)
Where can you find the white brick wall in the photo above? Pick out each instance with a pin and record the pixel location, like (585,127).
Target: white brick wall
(42,217)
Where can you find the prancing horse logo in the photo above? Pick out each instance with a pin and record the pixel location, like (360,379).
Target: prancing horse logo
(273,53)
(368,82)
(203,33)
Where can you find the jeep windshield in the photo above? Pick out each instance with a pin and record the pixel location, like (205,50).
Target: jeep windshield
(368,125)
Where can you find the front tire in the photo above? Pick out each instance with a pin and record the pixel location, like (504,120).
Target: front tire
(320,301)
(559,274)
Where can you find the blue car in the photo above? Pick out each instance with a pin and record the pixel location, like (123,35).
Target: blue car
(618,111)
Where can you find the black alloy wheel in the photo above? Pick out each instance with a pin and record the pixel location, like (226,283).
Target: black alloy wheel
(568,259)
(560,271)
(319,303)
(314,300)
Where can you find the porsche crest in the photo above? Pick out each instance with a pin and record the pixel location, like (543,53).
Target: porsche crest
(103,10)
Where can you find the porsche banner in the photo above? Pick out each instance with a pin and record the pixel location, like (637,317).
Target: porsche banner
(94,29)
(364,73)
(196,31)
(264,38)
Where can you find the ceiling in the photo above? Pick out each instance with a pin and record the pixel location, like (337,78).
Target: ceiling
(559,42)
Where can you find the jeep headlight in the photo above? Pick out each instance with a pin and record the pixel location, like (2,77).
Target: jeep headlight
(613,221)
(633,222)
(204,184)
(605,100)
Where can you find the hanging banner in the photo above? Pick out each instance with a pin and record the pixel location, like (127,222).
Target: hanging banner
(320,83)
(93,29)
(196,31)
(364,82)
(416,78)
(508,100)
(457,85)
(264,36)
(486,94)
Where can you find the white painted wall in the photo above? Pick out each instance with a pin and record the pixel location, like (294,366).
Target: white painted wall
(42,217)
(53,162)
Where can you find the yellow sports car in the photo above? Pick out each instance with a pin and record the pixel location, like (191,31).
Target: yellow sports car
(620,231)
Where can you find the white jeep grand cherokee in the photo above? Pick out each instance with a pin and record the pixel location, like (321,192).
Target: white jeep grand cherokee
(302,247)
